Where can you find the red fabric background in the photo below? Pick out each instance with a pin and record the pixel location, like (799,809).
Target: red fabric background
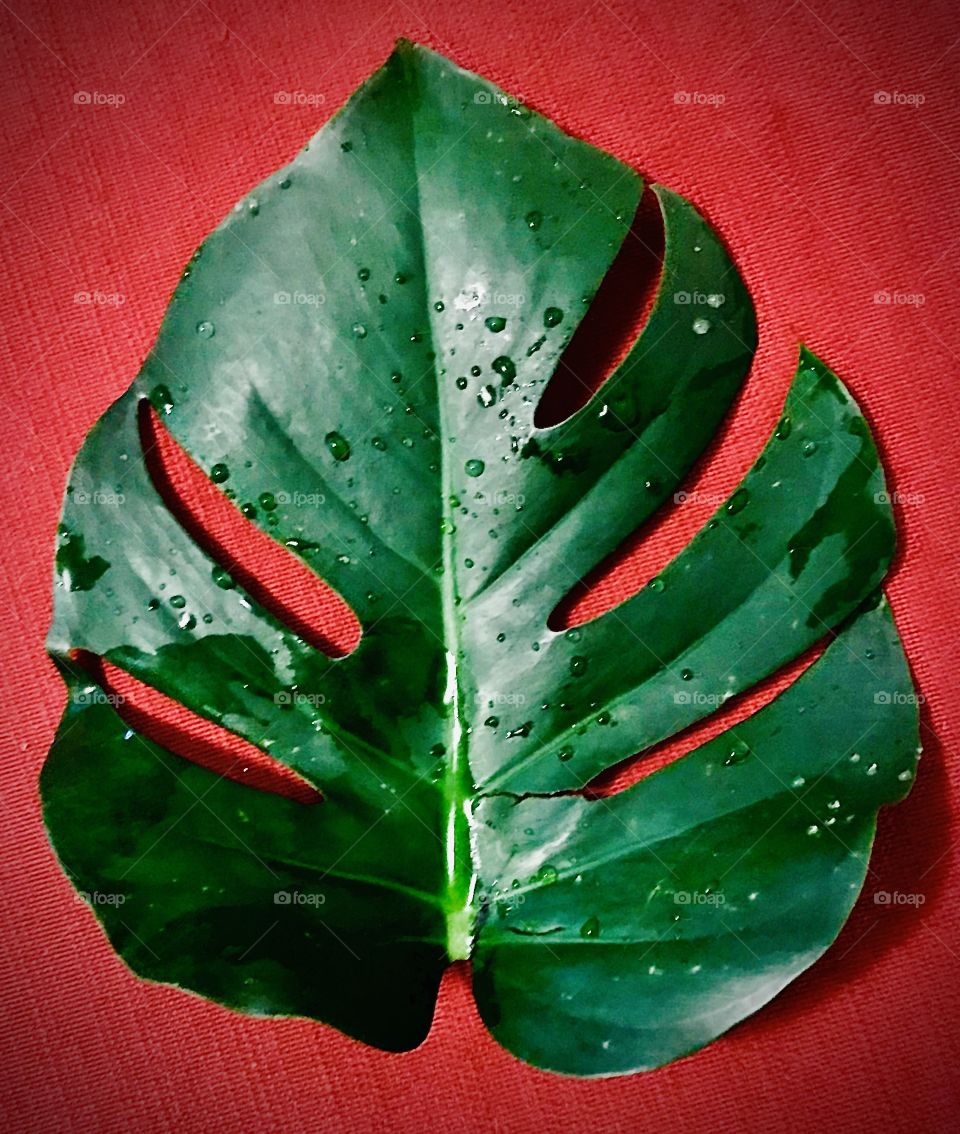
(825,197)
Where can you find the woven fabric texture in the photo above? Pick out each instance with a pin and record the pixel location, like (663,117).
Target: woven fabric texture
(822,139)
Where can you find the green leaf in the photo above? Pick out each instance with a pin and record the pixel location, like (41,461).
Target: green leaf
(356,359)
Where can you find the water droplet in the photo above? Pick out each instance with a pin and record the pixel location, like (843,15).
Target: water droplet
(813,829)
(487,396)
(573,635)
(548,874)
(338,445)
(905,775)
(439,305)
(219,473)
(468,563)
(474,467)
(461,383)
(492,722)
(253,206)
(656,585)
(715,300)
(363,274)
(738,501)
(737,754)
(603,719)
(268,502)
(186,621)
(206,329)
(578,665)
(534,219)
(178,601)
(359,331)
(798,782)
(809,448)
(552,317)
(505,368)
(590,928)
(161,399)
(285,183)
(686,674)
(522,731)
(565,754)
(872,770)
(495,323)
(701,326)
(222,578)
(782,432)
(400,278)
(249,510)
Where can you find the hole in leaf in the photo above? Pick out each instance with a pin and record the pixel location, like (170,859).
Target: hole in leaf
(191,737)
(613,321)
(711,480)
(273,576)
(738,709)
(626,570)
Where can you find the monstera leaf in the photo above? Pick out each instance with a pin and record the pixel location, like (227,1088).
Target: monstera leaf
(350,362)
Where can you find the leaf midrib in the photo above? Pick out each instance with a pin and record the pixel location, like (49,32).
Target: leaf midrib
(456,786)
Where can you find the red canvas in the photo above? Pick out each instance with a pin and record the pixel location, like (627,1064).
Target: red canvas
(822,140)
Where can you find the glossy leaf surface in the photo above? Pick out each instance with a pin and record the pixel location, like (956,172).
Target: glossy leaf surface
(355,357)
